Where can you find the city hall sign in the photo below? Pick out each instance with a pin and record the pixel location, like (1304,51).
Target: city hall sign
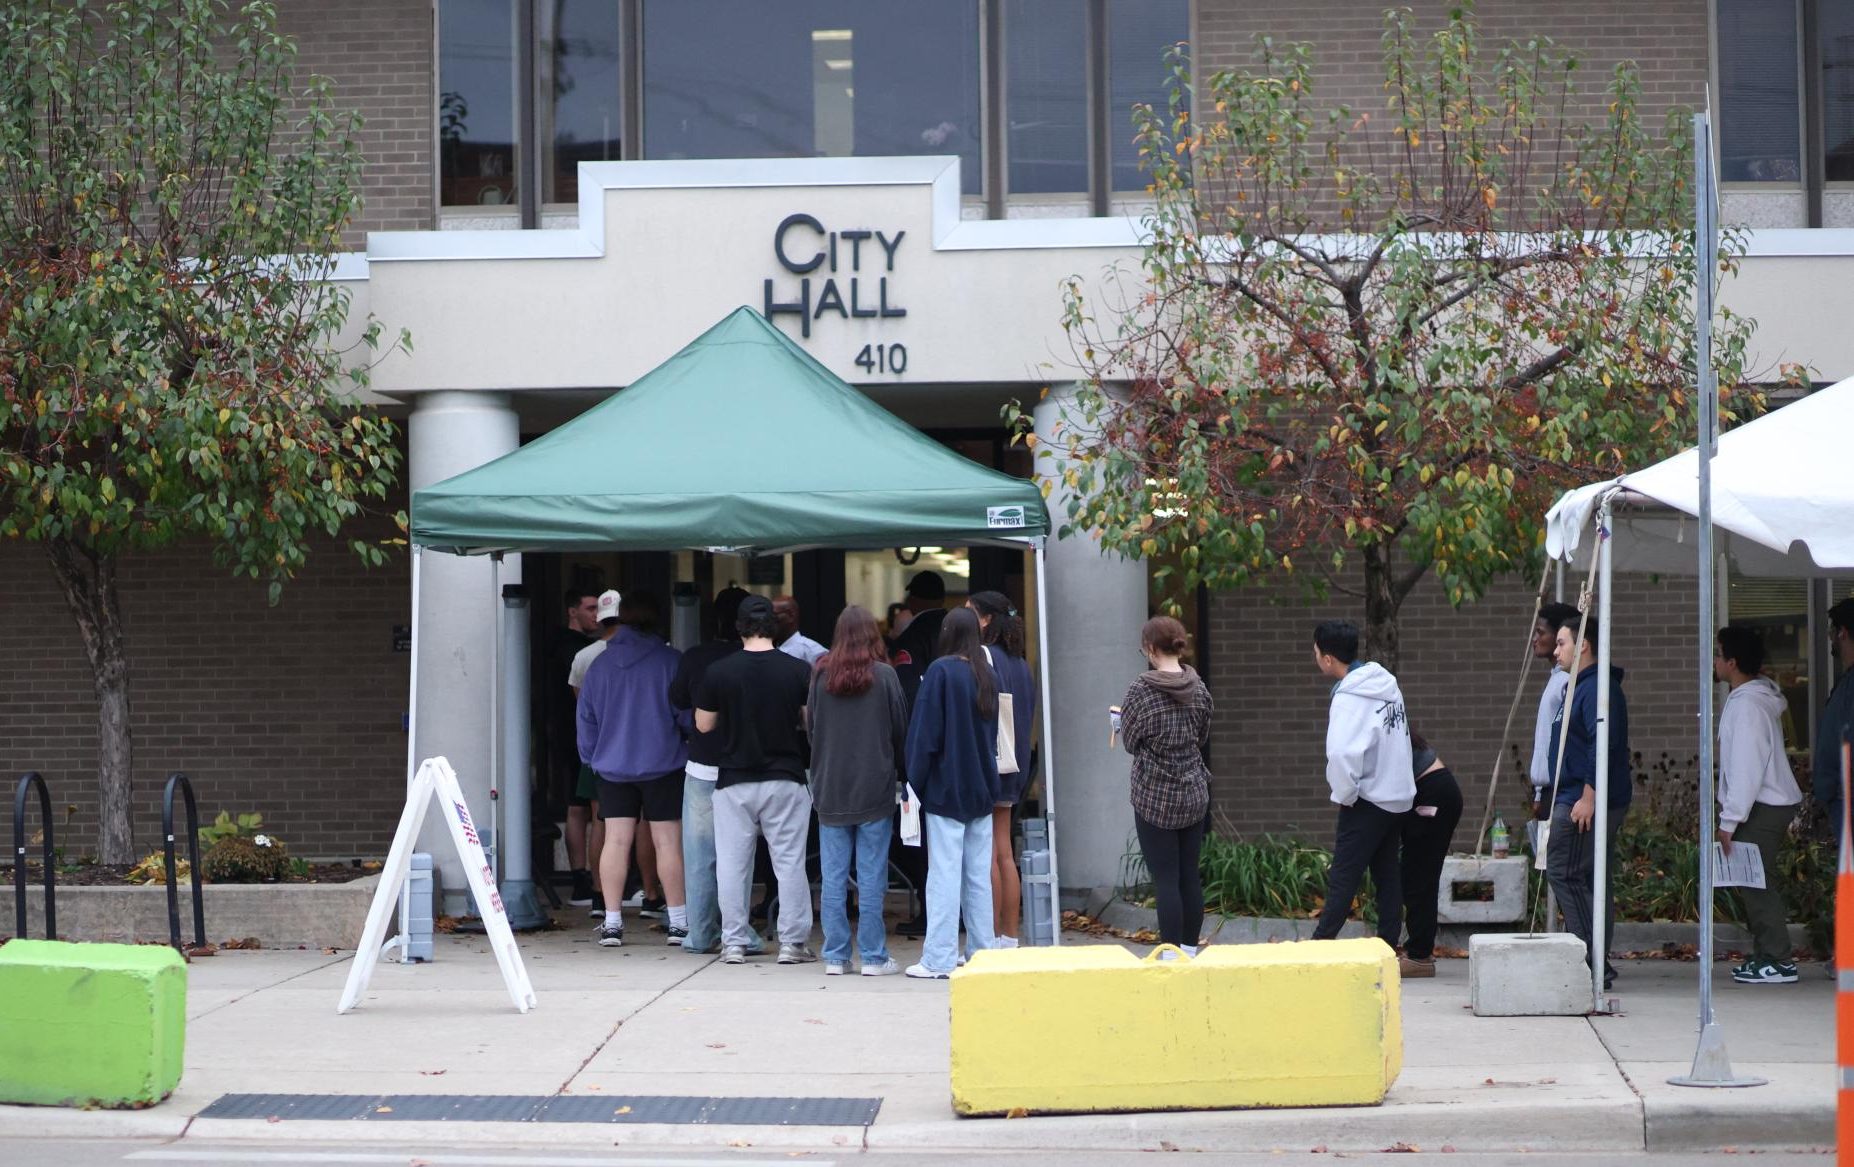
(842,273)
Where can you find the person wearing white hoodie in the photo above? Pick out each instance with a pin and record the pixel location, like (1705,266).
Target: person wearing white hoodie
(1758,796)
(1368,769)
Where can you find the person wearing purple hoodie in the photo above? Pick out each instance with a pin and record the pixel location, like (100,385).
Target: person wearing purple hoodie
(630,736)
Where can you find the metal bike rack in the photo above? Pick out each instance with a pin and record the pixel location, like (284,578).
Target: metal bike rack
(180,781)
(26,783)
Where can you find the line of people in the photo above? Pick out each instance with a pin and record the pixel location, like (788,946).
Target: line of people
(760,734)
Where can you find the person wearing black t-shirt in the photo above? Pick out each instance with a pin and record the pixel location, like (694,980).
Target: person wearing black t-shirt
(754,702)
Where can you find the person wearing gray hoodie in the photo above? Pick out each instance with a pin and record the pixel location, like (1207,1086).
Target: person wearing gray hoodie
(1368,768)
(1758,796)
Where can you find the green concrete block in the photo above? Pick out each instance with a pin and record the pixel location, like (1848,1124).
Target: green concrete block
(90,1024)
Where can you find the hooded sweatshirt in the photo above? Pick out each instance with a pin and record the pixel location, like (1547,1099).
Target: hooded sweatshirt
(628,731)
(1580,740)
(1165,721)
(1752,765)
(1368,741)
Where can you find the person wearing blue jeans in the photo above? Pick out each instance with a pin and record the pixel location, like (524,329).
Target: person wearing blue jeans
(858,723)
(952,767)
(868,842)
(698,788)
(958,884)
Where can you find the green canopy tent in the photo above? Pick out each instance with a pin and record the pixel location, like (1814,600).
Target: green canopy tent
(741,442)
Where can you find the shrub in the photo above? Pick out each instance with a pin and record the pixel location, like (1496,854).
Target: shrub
(245,859)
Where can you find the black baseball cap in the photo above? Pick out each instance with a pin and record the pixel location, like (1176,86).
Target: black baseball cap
(927,585)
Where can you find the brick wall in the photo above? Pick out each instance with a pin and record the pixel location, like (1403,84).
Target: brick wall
(293,711)
(1667,39)
(378,54)
(1459,672)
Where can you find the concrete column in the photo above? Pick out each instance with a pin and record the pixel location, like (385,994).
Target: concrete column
(450,432)
(1097,605)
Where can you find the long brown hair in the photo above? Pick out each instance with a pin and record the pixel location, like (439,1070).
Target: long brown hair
(855,647)
(959,636)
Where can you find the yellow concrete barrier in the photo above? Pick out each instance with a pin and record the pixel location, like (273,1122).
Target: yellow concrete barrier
(1094,1028)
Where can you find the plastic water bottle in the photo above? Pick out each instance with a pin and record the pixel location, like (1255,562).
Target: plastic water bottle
(1497,839)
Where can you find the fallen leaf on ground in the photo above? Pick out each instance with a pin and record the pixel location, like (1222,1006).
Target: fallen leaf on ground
(383,1110)
(331,952)
(815,1021)
(248,942)
(201,950)
(1401,1149)
(738,1143)
(273,1118)
(622,1110)
(1017,1112)
(717,1045)
(1165,1145)
(432,1073)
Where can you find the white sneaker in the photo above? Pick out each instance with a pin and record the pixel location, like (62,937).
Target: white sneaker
(834,968)
(887,968)
(1005,942)
(921,972)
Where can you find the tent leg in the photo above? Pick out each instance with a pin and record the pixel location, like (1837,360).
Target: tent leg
(1599,884)
(403,939)
(1049,736)
(494,762)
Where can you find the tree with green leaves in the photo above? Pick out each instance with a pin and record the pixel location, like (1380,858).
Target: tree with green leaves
(1364,346)
(171,205)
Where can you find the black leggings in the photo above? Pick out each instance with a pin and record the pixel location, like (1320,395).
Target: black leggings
(1425,845)
(1171,858)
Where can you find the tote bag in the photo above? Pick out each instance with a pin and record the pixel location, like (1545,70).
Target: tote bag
(1007,724)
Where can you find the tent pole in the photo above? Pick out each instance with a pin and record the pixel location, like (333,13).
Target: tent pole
(495,714)
(1599,884)
(403,940)
(1049,734)
(1712,1066)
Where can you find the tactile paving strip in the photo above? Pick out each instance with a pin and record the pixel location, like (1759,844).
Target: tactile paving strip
(680,1111)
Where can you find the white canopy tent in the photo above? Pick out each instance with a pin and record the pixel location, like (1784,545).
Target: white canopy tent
(1782,504)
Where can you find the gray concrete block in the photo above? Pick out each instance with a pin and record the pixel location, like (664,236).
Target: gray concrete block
(1506,876)
(1528,974)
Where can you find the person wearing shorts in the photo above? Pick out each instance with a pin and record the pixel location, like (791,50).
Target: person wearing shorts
(629,735)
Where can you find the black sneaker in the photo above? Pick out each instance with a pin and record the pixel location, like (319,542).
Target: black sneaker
(610,935)
(913,929)
(1765,972)
(655,909)
(597,910)
(677,935)
(582,892)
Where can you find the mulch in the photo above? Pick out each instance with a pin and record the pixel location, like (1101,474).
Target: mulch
(116,874)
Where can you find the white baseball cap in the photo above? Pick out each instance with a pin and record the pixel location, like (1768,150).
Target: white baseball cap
(608,605)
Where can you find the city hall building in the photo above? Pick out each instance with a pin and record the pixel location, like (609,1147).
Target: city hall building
(559,196)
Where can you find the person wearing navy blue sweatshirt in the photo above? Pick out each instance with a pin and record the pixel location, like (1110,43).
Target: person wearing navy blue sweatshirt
(953,769)
(633,739)
(1570,852)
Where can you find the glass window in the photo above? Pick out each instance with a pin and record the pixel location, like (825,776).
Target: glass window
(1138,33)
(1760,115)
(478,161)
(580,91)
(1837,36)
(748,79)
(1046,95)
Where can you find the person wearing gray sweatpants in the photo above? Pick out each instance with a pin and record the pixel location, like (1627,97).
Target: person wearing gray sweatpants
(754,702)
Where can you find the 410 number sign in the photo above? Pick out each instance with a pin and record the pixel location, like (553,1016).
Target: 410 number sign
(883,358)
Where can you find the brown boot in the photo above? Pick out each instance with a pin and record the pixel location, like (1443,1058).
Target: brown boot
(1411,967)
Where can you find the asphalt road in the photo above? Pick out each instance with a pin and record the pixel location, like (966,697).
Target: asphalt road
(143,1153)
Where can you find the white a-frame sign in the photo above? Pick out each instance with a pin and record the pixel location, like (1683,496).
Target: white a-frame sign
(436,779)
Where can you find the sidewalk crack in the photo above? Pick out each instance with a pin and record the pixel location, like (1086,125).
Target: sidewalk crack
(619,1024)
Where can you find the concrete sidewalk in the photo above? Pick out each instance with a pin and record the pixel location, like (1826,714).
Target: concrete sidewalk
(649,1019)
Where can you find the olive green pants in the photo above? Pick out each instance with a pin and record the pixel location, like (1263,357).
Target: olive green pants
(1766,916)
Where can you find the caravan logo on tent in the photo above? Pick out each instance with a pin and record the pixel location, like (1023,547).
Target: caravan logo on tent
(999,518)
